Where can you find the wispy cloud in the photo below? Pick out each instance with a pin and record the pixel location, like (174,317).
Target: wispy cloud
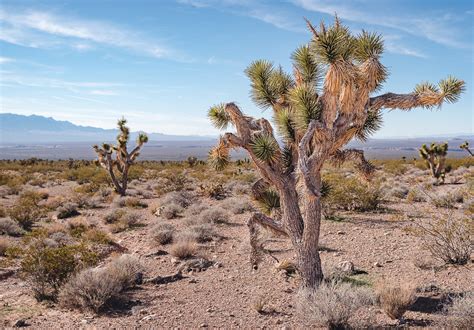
(6,60)
(251,8)
(437,29)
(39,29)
(103,92)
(393,45)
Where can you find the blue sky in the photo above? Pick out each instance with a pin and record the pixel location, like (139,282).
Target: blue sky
(161,64)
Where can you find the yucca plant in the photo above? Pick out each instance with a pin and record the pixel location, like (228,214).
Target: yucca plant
(119,166)
(325,104)
(435,157)
(465,146)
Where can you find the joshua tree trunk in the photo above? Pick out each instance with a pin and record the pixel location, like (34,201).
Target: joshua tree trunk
(315,123)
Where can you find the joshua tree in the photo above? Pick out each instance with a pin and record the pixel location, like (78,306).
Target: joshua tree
(465,146)
(435,157)
(315,118)
(123,159)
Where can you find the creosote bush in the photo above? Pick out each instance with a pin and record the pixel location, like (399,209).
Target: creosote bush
(10,227)
(47,268)
(26,210)
(460,312)
(351,194)
(395,300)
(95,288)
(333,304)
(163,233)
(171,211)
(215,215)
(448,238)
(67,210)
(199,233)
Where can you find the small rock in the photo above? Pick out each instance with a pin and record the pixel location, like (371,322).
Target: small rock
(377,264)
(340,232)
(20,323)
(346,267)
(203,325)
(193,280)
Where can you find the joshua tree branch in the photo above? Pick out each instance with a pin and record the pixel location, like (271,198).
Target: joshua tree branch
(356,155)
(404,101)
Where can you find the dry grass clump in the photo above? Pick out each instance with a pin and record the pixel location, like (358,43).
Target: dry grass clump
(5,243)
(95,288)
(26,210)
(447,201)
(395,300)
(126,221)
(213,190)
(134,202)
(182,198)
(163,233)
(114,216)
(200,233)
(67,210)
(196,209)
(183,249)
(171,211)
(10,227)
(448,239)
(237,205)
(215,215)
(332,304)
(415,196)
(460,313)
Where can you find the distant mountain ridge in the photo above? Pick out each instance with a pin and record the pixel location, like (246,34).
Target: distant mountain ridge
(16,128)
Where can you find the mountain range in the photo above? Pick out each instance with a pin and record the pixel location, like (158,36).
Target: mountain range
(38,129)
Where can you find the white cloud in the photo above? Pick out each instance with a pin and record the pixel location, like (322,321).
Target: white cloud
(437,29)
(4,60)
(103,92)
(40,29)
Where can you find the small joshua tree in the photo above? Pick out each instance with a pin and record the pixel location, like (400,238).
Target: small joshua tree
(435,157)
(123,159)
(465,146)
(315,120)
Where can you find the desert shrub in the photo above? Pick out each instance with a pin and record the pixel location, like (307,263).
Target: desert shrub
(172,182)
(95,288)
(199,233)
(3,212)
(332,304)
(78,226)
(48,268)
(87,174)
(171,211)
(398,191)
(237,205)
(240,188)
(114,216)
(126,221)
(414,195)
(97,236)
(183,249)
(395,300)
(134,202)
(460,313)
(163,233)
(213,190)
(196,209)
(447,200)
(4,245)
(181,198)
(10,227)
(351,194)
(26,210)
(215,215)
(67,210)
(447,238)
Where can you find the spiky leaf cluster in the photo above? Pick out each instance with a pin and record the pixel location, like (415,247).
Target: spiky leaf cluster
(434,150)
(219,157)
(219,118)
(265,148)
(371,125)
(269,201)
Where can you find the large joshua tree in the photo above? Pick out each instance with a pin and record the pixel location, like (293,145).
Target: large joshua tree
(119,166)
(326,103)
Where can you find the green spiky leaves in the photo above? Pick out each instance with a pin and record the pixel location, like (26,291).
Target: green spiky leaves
(333,44)
(306,65)
(451,89)
(305,105)
(286,125)
(219,118)
(269,84)
(434,150)
(368,46)
(372,124)
(142,138)
(269,201)
(265,148)
(426,87)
